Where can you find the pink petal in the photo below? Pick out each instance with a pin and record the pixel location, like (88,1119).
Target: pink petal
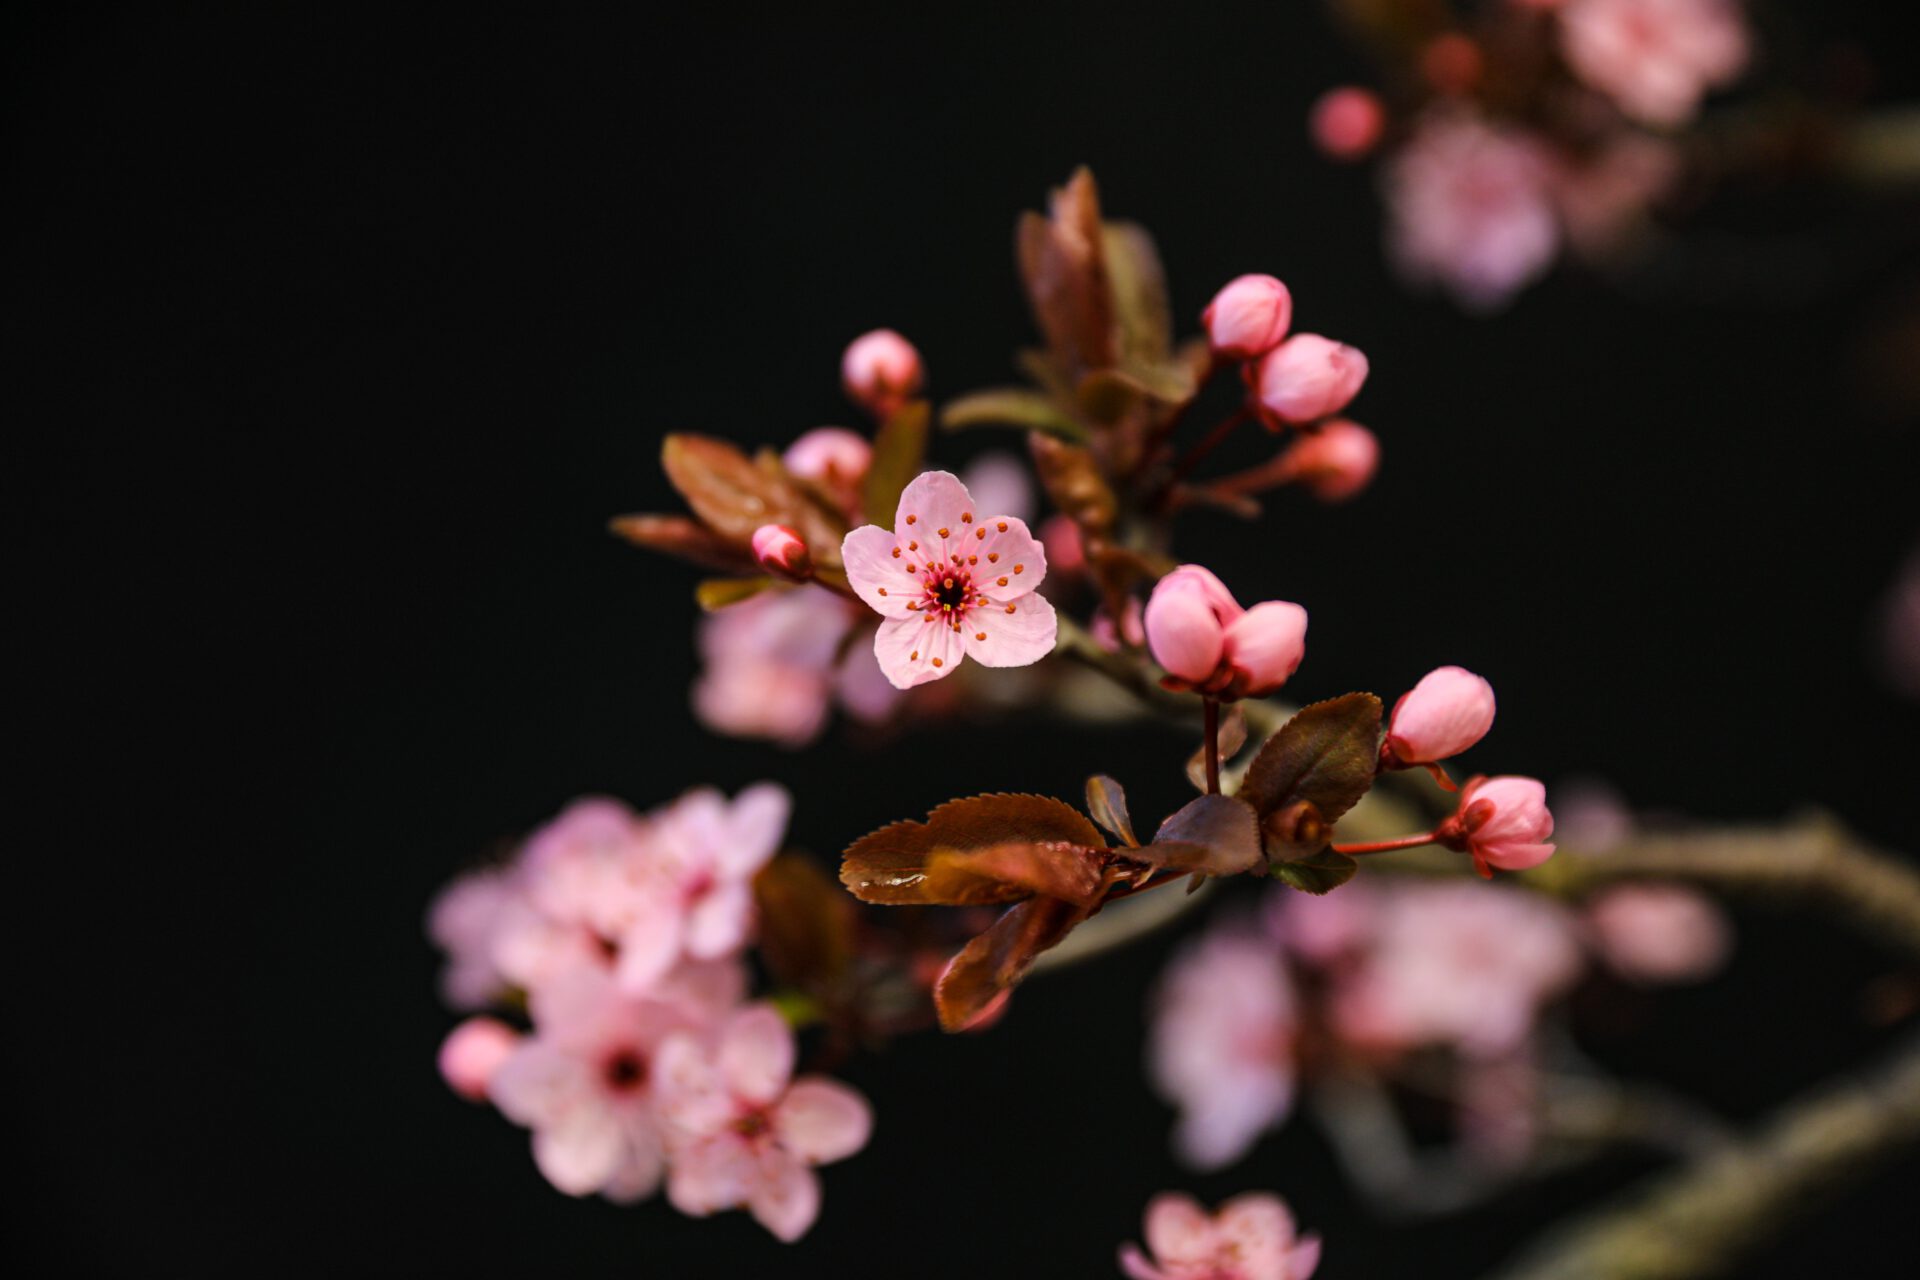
(638,1176)
(1258,1231)
(474,1051)
(1000,481)
(873,568)
(1516,857)
(821,1121)
(1303,1260)
(933,501)
(755,826)
(1184,627)
(538,1084)
(581,1152)
(1006,559)
(756,1053)
(1178,1229)
(706,1177)
(1137,1265)
(907,649)
(689,1092)
(1447,712)
(1014,639)
(785,1196)
(650,946)
(720,921)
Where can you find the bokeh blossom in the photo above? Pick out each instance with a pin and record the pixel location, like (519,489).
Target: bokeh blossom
(1655,59)
(1251,1237)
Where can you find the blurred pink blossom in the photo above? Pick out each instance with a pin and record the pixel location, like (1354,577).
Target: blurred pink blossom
(1221,1048)
(743,1132)
(768,664)
(1603,198)
(1471,208)
(1655,58)
(563,881)
(1659,933)
(462,921)
(1346,123)
(880,371)
(584,1081)
(1000,481)
(1066,553)
(1591,815)
(836,460)
(472,1053)
(1252,1237)
(950,583)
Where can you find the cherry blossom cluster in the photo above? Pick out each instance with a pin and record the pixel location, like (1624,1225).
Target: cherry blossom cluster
(623,937)
(1532,126)
(1376,976)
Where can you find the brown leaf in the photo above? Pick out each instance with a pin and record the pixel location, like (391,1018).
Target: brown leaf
(684,538)
(899,454)
(1232,737)
(806,924)
(1107,802)
(733,494)
(1071,476)
(1327,754)
(1218,835)
(1139,292)
(995,962)
(984,849)
(1063,263)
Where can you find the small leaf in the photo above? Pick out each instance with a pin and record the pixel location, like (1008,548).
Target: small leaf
(1327,754)
(688,539)
(733,494)
(1073,481)
(1063,265)
(1218,835)
(717,593)
(994,963)
(1012,407)
(993,848)
(1232,737)
(1317,873)
(806,924)
(1104,395)
(1139,292)
(899,454)
(1107,802)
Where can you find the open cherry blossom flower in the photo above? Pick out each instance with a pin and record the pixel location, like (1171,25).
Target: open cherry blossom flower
(951,583)
(463,921)
(584,1081)
(1222,1044)
(743,1132)
(769,664)
(1252,1237)
(689,891)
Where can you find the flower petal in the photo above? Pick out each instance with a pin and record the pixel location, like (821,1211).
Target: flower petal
(913,650)
(821,1121)
(705,1177)
(1137,1265)
(785,1196)
(878,576)
(638,1176)
(538,1084)
(1258,1231)
(756,1053)
(650,946)
(1006,559)
(582,1153)
(1178,1229)
(720,920)
(688,1090)
(756,822)
(1018,632)
(933,501)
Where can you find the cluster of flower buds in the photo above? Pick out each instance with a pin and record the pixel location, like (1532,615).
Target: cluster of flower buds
(1206,642)
(623,938)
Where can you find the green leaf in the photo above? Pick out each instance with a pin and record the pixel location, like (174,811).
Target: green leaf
(1012,407)
(899,454)
(1327,755)
(1107,802)
(1217,835)
(993,848)
(976,980)
(717,593)
(1317,873)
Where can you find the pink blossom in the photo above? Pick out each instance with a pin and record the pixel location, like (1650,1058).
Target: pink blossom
(1447,712)
(1066,552)
(1252,1237)
(1248,317)
(743,1132)
(1655,58)
(781,552)
(1000,481)
(1591,815)
(1334,460)
(463,921)
(1503,822)
(565,874)
(951,583)
(1471,209)
(584,1081)
(1221,1048)
(1206,641)
(473,1052)
(688,891)
(1323,930)
(1131,631)
(1308,377)
(880,371)
(1464,965)
(835,459)
(768,664)
(1658,933)
(1346,123)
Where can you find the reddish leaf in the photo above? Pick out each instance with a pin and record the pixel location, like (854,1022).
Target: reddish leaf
(1232,737)
(1217,835)
(806,924)
(733,494)
(1107,802)
(1139,292)
(985,849)
(685,538)
(1327,754)
(1063,263)
(899,454)
(1071,476)
(995,962)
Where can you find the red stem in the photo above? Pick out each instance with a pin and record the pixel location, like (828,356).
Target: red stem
(1213,746)
(1213,440)
(1387,846)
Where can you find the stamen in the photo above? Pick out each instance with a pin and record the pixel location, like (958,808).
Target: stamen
(973,559)
(911,519)
(1019,568)
(993,557)
(896,553)
(883,591)
(1002,525)
(938,663)
(979,635)
(981,532)
(912,545)
(943,533)
(1009,608)
(911,569)
(1003,582)
(915,657)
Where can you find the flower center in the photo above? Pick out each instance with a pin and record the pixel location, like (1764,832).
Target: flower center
(625,1071)
(950,591)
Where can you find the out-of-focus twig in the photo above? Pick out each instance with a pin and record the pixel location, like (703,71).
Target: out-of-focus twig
(1703,1217)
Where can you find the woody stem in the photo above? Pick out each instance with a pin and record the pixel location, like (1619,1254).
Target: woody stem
(1213,746)
(1387,846)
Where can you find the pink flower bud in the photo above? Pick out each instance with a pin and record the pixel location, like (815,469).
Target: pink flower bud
(880,371)
(1248,317)
(1346,123)
(1308,377)
(781,553)
(829,456)
(1185,631)
(473,1052)
(1656,933)
(1503,822)
(1447,712)
(1264,647)
(1066,553)
(1335,460)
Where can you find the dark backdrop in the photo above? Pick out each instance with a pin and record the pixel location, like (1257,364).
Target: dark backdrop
(338,334)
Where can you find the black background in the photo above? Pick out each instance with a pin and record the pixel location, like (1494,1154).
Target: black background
(337,334)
